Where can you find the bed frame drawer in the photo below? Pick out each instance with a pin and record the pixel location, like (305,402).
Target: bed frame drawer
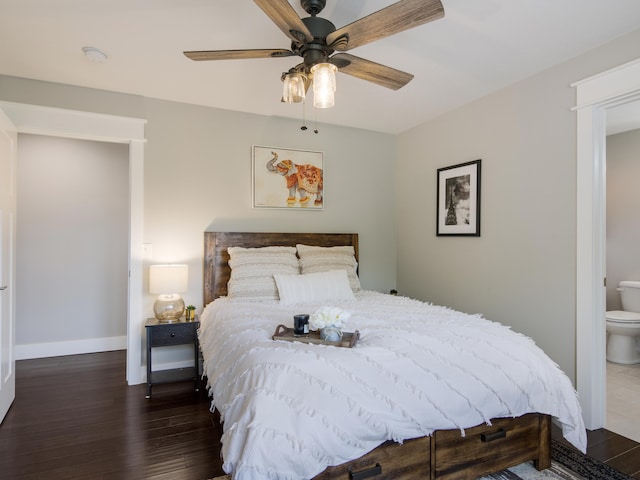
(486,449)
(448,456)
(411,460)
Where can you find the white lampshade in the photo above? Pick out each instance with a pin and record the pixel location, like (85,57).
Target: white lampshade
(168,281)
(324,84)
(164,279)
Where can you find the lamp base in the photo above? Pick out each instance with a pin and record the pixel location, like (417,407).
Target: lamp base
(169,308)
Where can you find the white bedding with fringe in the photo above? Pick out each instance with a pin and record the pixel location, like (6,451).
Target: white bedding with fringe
(291,409)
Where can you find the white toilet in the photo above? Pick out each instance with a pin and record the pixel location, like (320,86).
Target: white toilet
(623,326)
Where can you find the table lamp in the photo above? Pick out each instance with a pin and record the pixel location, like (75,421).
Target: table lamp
(168,282)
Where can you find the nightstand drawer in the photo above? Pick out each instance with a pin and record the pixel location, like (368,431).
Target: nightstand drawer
(172,334)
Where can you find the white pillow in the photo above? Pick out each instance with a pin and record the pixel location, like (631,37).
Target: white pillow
(252,271)
(314,287)
(322,259)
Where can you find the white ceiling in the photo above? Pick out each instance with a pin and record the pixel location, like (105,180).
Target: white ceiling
(479,47)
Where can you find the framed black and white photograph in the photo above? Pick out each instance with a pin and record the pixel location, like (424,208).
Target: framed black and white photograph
(287,178)
(458,201)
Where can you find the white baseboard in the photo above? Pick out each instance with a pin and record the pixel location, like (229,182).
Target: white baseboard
(72,347)
(93,345)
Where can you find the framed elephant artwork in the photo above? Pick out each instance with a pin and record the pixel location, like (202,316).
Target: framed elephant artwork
(287,178)
(458,204)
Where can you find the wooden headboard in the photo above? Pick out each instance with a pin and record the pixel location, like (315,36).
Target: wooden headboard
(216,257)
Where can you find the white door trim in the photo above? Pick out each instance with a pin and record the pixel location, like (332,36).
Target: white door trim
(108,128)
(593,96)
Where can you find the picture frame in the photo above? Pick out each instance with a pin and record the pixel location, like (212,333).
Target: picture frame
(287,178)
(458,200)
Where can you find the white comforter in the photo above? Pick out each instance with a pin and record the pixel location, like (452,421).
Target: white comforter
(291,409)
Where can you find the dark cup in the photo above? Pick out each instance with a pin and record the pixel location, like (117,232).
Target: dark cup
(301,324)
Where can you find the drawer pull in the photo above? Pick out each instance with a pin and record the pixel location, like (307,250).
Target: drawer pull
(370,472)
(490,437)
(173,334)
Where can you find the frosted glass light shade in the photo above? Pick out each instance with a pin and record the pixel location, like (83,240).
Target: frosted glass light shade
(324,85)
(168,281)
(293,87)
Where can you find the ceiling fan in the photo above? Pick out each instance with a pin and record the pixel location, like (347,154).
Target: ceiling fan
(316,39)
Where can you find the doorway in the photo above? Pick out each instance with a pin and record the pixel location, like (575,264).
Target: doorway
(108,128)
(72,229)
(594,96)
(623,262)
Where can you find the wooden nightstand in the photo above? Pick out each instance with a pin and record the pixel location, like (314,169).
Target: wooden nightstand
(169,334)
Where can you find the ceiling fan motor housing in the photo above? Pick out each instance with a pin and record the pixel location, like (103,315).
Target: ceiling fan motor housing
(313,7)
(315,51)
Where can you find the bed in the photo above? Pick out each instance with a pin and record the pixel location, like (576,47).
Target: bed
(427,392)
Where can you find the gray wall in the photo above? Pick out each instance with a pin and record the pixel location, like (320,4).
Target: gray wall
(197,177)
(521,271)
(72,235)
(623,212)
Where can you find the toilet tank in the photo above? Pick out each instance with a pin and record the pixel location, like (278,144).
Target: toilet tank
(630,295)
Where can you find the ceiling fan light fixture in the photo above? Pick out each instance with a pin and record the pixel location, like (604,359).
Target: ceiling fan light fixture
(324,85)
(293,87)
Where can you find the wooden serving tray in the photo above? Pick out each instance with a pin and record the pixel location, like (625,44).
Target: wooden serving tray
(349,339)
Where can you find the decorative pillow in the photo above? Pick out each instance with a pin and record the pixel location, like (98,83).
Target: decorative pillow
(322,259)
(314,287)
(252,271)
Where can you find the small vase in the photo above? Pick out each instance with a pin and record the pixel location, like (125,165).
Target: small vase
(331,333)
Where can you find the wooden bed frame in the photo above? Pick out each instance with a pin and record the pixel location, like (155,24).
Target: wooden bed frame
(443,455)
(216,257)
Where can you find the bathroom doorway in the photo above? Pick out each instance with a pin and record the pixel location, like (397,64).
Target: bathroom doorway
(622,260)
(594,95)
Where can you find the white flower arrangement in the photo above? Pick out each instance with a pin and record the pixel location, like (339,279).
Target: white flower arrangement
(326,316)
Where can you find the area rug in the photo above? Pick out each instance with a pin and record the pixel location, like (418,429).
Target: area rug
(566,464)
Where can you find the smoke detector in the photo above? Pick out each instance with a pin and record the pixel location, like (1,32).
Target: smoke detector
(94,55)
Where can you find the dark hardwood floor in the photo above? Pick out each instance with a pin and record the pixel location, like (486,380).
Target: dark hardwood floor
(615,450)
(75,418)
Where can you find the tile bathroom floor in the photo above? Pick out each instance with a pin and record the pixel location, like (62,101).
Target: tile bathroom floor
(623,400)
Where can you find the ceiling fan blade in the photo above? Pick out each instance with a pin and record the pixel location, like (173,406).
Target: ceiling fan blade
(200,55)
(285,17)
(390,20)
(370,71)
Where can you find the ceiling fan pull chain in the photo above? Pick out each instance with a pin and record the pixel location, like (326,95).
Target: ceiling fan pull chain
(304,126)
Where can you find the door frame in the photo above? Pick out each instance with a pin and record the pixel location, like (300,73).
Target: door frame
(594,95)
(64,123)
